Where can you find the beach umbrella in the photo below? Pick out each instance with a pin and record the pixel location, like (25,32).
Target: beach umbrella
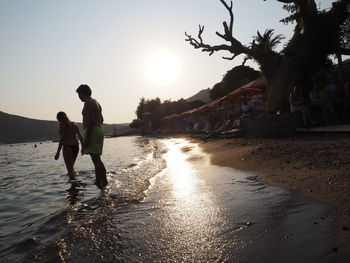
(258,83)
(203,108)
(171,117)
(189,112)
(254,87)
(209,106)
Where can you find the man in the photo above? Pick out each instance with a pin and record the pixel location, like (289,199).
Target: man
(297,104)
(93,133)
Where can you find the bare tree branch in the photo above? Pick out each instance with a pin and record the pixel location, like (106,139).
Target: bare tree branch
(205,47)
(291,1)
(230,58)
(201,29)
(235,46)
(245,60)
(229,8)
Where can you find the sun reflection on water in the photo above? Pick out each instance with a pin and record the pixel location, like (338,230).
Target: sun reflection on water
(192,211)
(193,204)
(182,173)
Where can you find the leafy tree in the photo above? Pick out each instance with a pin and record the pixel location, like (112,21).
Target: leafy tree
(267,41)
(345,32)
(195,104)
(317,34)
(140,108)
(155,110)
(218,91)
(233,79)
(135,124)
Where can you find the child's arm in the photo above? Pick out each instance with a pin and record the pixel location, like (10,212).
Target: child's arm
(59,144)
(58,150)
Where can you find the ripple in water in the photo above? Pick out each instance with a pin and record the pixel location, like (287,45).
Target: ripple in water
(39,205)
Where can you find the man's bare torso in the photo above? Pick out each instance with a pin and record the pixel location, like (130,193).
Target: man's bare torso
(92,113)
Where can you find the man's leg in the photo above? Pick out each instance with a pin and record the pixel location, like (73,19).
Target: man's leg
(100,170)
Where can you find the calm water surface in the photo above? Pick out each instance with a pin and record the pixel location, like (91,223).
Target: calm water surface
(164,203)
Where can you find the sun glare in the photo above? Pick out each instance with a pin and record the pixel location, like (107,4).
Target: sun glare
(162,67)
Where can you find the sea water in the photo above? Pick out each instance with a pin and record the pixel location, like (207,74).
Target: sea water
(39,203)
(164,203)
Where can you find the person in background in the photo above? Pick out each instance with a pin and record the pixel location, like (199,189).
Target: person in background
(319,98)
(221,126)
(93,132)
(338,96)
(245,110)
(297,104)
(69,135)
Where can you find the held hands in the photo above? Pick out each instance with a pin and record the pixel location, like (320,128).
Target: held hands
(86,143)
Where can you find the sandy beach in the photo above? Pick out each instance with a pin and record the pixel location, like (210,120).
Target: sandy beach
(316,165)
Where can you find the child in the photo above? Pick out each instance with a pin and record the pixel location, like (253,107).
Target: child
(69,132)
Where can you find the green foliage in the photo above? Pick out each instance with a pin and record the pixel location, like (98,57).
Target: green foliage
(195,104)
(345,31)
(155,110)
(233,79)
(135,124)
(267,41)
(313,43)
(290,8)
(147,106)
(219,90)
(140,108)
(324,75)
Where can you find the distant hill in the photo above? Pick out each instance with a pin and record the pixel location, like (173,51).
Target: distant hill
(202,95)
(16,129)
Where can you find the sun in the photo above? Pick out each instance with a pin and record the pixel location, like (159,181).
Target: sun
(162,67)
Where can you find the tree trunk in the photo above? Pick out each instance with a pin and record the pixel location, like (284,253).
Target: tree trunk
(280,83)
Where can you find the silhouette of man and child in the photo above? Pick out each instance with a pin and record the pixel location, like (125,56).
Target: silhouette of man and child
(91,141)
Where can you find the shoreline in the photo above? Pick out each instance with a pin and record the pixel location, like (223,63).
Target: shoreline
(315,165)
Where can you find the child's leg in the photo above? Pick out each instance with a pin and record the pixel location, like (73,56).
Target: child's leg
(74,156)
(69,160)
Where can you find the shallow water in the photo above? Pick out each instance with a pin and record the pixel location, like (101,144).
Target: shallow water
(39,203)
(165,203)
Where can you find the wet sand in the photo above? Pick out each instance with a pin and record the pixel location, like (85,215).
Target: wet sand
(198,212)
(317,165)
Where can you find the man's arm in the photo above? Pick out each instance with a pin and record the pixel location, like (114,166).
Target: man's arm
(90,114)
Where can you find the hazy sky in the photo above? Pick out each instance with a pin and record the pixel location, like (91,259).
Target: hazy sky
(49,47)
